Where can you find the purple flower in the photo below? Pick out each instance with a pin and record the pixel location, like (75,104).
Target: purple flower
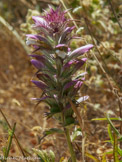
(68,64)
(56,63)
(52,22)
(79,64)
(80,51)
(39,84)
(37,64)
(38,57)
(78,84)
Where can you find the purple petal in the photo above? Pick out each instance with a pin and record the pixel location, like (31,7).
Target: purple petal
(78,84)
(39,21)
(42,75)
(80,51)
(66,31)
(38,57)
(61,45)
(37,64)
(38,37)
(70,84)
(68,64)
(39,84)
(80,64)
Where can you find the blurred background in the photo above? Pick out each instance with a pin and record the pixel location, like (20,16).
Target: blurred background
(98,22)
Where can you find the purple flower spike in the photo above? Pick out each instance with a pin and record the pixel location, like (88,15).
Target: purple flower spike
(37,64)
(56,63)
(80,51)
(39,84)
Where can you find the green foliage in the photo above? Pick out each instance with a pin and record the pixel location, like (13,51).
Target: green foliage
(53,130)
(6,149)
(115,138)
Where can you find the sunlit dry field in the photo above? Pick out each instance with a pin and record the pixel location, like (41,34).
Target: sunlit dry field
(96,22)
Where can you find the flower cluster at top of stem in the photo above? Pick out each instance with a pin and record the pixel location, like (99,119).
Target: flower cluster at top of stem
(56,64)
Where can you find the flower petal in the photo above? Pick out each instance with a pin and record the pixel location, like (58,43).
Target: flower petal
(38,37)
(68,64)
(81,99)
(38,57)
(78,84)
(70,84)
(37,64)
(39,84)
(80,51)
(39,21)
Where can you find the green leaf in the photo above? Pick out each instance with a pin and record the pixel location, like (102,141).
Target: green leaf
(116,119)
(115,130)
(53,130)
(104,158)
(104,155)
(92,157)
(110,134)
(115,151)
(119,151)
(69,120)
(11,133)
(120,138)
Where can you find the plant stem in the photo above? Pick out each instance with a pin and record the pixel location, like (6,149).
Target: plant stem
(16,140)
(73,157)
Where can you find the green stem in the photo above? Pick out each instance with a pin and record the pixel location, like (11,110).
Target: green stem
(73,157)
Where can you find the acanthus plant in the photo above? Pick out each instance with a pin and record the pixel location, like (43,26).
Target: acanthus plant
(56,66)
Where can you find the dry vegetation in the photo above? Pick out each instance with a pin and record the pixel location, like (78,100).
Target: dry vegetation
(101,22)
